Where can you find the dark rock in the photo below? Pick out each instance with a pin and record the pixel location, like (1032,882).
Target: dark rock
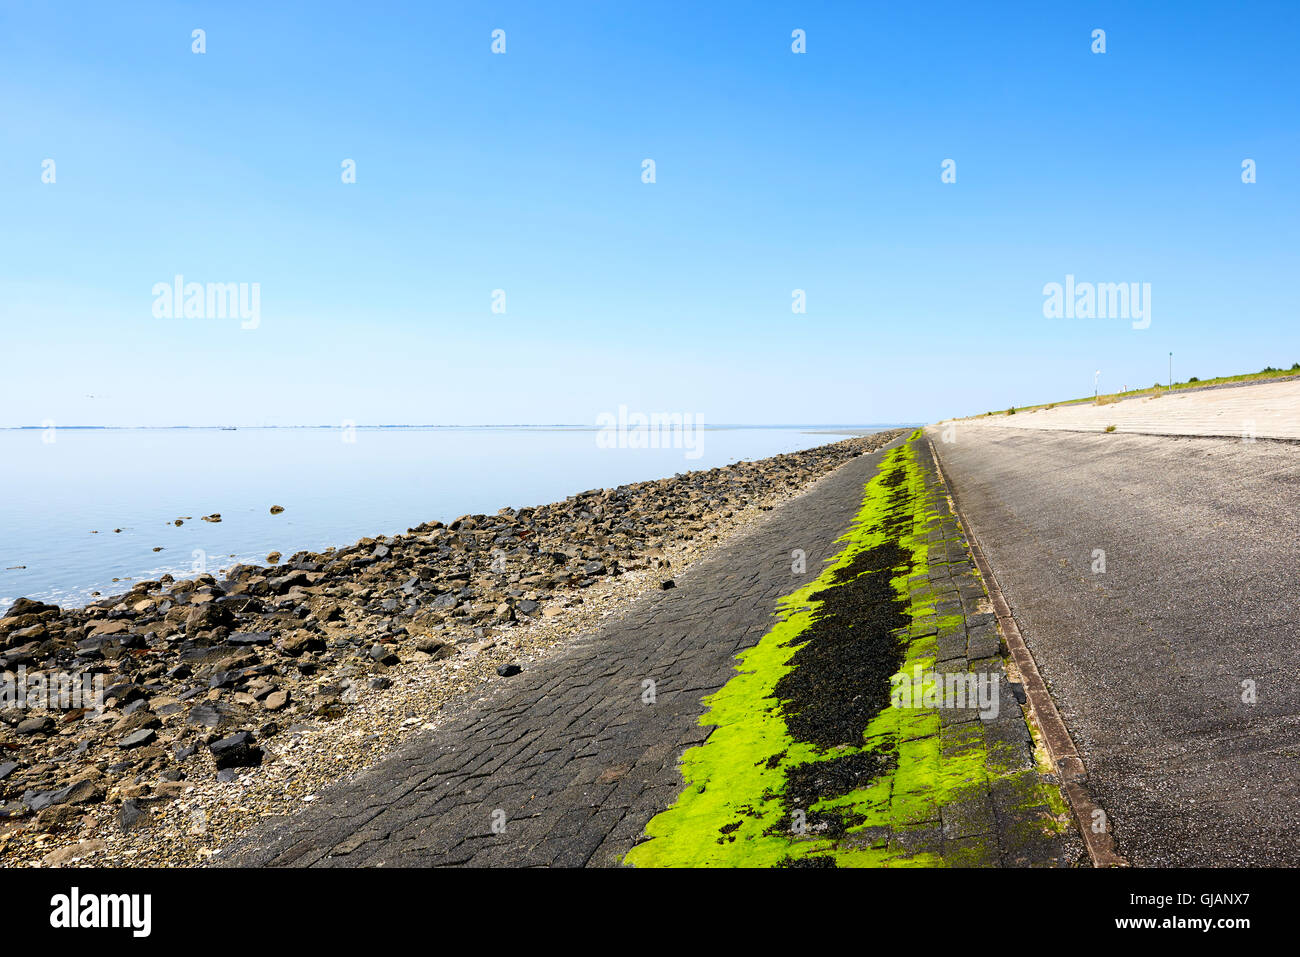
(250,638)
(285,582)
(35,726)
(138,738)
(79,792)
(25,606)
(236,751)
(131,815)
(667,584)
(124,693)
(508,671)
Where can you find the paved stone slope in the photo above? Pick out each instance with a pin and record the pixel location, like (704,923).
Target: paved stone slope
(565,764)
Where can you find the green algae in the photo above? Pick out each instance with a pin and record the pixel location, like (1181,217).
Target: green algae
(740,806)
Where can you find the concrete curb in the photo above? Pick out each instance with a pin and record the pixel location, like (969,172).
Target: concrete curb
(1042,710)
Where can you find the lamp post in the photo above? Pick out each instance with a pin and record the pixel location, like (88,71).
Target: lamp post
(1171,372)
(1095,376)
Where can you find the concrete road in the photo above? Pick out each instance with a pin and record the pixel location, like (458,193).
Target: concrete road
(1153,660)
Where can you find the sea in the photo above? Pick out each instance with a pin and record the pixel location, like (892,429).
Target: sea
(86,512)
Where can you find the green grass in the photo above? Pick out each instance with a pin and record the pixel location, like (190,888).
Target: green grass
(1156,389)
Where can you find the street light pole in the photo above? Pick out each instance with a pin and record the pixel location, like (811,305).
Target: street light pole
(1171,372)
(1095,376)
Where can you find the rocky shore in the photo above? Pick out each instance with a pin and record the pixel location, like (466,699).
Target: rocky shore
(229,698)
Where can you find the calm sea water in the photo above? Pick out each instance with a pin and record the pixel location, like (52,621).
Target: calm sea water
(62,501)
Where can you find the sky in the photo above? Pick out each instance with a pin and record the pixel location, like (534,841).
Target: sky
(522,171)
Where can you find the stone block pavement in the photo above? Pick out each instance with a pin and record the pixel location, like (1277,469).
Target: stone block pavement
(564,764)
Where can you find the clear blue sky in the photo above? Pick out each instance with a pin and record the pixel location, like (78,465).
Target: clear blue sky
(522,172)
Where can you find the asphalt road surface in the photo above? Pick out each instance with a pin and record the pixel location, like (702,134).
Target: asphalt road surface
(1149,660)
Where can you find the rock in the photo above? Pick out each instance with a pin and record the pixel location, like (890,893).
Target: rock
(83,791)
(214,517)
(73,852)
(277,509)
(131,815)
(435,647)
(383,654)
(276,700)
(236,751)
(35,726)
(25,606)
(250,638)
(285,582)
(206,617)
(273,558)
(528,607)
(508,671)
(136,721)
(137,739)
(7,768)
(667,583)
(298,644)
(205,715)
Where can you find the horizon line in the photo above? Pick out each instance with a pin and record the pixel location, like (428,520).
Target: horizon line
(472,425)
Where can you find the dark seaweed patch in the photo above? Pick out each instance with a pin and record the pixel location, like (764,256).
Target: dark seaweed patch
(806,784)
(840,678)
